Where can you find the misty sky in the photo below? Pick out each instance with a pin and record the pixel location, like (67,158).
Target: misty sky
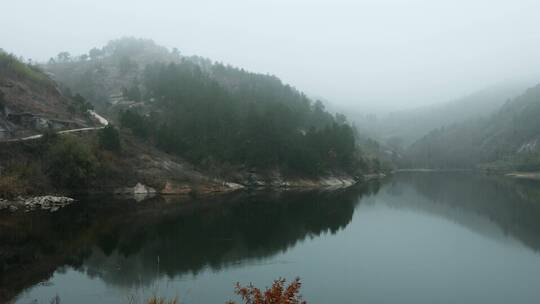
(377,54)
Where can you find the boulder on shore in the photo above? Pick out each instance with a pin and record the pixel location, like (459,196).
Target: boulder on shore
(140,192)
(47,202)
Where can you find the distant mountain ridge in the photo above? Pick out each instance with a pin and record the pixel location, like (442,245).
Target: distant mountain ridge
(508,139)
(407,126)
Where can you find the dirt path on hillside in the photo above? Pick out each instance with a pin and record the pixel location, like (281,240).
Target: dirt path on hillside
(102,120)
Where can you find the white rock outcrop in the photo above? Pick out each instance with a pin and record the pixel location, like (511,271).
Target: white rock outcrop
(46,202)
(143,189)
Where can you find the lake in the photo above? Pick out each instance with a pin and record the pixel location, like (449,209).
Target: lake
(411,238)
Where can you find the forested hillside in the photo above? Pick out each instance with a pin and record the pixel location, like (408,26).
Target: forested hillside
(107,71)
(508,139)
(212,114)
(399,129)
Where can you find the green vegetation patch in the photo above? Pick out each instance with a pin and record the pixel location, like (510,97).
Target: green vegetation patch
(10,64)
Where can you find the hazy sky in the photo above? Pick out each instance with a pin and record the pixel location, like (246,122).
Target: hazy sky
(376,54)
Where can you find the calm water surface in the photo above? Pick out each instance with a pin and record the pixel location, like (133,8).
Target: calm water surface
(415,238)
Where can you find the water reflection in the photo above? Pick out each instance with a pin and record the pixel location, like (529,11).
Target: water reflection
(102,236)
(512,205)
(124,244)
(243,230)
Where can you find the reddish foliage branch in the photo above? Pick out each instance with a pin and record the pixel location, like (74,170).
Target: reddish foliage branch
(277,294)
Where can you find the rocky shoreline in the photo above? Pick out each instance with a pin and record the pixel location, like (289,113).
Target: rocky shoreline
(46,202)
(524,175)
(142,192)
(253,182)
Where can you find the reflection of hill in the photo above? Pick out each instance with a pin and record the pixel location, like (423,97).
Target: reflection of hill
(248,228)
(477,202)
(120,242)
(103,235)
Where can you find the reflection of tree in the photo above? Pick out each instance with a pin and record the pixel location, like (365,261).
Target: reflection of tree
(103,235)
(245,228)
(511,204)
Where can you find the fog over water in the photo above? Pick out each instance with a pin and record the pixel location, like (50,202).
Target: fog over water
(371,54)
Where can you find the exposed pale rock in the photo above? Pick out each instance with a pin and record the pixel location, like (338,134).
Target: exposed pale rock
(46,202)
(142,189)
(3,204)
(140,192)
(530,147)
(233,186)
(137,189)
